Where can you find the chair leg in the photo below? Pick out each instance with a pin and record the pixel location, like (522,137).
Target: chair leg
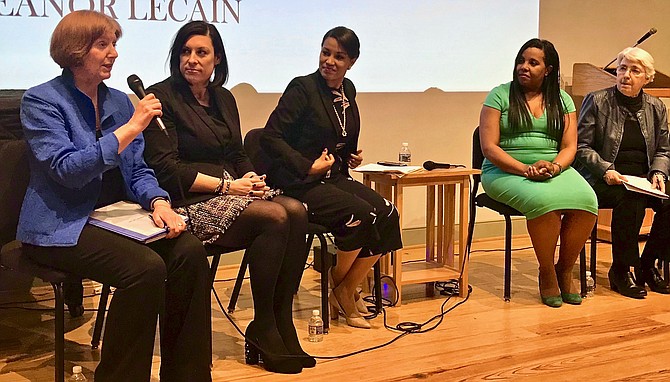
(325,268)
(594,252)
(100,317)
(378,287)
(59,333)
(508,258)
(238,282)
(582,271)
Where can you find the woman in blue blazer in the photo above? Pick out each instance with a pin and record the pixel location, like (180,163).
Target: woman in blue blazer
(312,137)
(86,148)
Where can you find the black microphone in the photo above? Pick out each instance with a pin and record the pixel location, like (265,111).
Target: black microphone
(646,36)
(430,165)
(136,85)
(640,41)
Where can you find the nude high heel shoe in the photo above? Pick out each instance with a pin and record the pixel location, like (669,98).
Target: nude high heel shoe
(360,304)
(353,319)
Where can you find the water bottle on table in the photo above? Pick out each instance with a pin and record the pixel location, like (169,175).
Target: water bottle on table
(404,155)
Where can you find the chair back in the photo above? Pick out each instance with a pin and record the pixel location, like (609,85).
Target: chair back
(14,170)
(477,160)
(258,157)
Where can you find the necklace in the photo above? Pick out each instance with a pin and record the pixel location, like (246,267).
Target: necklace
(341,97)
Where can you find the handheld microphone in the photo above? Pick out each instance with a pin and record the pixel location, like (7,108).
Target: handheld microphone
(136,85)
(430,165)
(646,36)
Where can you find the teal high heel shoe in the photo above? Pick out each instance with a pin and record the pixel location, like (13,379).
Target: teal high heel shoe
(552,301)
(571,298)
(567,297)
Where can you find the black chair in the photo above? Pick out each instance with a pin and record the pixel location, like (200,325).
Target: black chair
(261,163)
(14,180)
(483,200)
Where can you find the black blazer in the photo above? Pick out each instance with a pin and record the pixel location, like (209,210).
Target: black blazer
(195,143)
(302,125)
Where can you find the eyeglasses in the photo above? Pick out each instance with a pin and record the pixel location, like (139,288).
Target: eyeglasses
(634,70)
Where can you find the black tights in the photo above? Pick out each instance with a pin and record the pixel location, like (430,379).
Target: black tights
(274,234)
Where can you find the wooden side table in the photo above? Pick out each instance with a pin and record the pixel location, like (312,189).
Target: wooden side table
(447,186)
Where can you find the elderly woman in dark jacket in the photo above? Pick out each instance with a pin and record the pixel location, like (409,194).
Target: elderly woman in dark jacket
(623,131)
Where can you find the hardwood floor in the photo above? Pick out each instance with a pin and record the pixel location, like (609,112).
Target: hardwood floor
(607,338)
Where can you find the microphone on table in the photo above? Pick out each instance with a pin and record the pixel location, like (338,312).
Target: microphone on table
(136,85)
(430,165)
(640,41)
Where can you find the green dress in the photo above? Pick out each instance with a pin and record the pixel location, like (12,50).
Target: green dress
(567,191)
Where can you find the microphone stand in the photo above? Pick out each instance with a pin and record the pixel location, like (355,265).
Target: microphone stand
(649,34)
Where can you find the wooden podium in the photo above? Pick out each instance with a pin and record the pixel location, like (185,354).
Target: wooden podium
(587,78)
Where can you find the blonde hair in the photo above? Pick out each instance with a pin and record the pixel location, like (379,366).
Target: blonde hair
(640,55)
(75,34)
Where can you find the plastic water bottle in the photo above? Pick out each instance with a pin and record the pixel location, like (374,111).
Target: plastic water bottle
(404,155)
(590,284)
(315,327)
(77,375)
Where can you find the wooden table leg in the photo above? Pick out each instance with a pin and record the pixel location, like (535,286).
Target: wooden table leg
(430,223)
(440,225)
(386,192)
(449,214)
(397,261)
(463,236)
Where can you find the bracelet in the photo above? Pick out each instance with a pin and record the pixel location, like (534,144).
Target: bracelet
(663,176)
(154,200)
(228,182)
(560,168)
(219,186)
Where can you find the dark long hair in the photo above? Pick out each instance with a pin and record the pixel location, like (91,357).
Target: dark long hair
(519,115)
(200,28)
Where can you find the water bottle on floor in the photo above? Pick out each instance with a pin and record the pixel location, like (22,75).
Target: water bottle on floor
(315,327)
(590,284)
(77,375)
(404,155)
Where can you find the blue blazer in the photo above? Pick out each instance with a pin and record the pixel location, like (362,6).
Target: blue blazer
(67,161)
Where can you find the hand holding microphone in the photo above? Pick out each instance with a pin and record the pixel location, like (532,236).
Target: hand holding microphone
(135,84)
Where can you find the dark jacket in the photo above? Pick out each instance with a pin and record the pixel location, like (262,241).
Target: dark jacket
(195,144)
(601,122)
(302,125)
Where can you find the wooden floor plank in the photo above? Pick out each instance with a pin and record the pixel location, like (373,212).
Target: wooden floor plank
(607,338)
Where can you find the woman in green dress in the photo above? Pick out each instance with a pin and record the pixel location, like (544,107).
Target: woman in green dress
(528,133)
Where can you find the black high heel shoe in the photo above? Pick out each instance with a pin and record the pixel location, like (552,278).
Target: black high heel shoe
(272,353)
(292,343)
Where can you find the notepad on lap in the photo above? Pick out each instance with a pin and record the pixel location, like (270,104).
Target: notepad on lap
(128,219)
(642,185)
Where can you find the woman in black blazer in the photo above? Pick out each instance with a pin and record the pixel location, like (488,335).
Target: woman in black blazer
(203,166)
(312,137)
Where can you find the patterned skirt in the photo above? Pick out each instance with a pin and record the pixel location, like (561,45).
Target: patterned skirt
(211,218)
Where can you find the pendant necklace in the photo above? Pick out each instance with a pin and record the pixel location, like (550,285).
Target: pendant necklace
(341,97)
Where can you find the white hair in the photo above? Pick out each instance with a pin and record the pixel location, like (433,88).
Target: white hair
(640,55)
